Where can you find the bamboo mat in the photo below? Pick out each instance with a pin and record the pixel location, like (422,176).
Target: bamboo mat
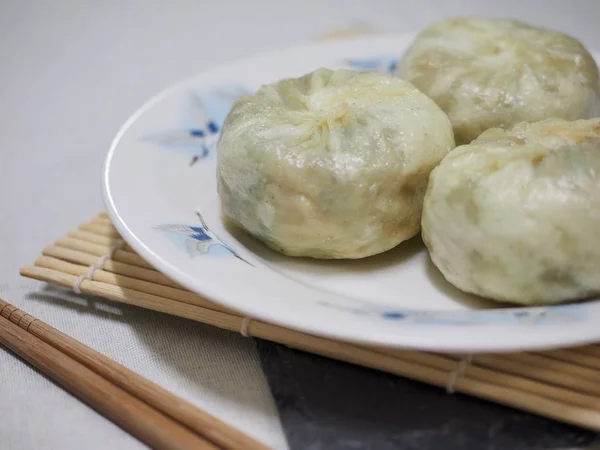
(561,384)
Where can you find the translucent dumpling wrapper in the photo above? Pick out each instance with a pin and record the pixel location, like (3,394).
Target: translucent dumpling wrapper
(515,215)
(488,73)
(331,165)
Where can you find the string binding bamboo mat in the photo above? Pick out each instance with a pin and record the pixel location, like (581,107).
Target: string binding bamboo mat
(560,384)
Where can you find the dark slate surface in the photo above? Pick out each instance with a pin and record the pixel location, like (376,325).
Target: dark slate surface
(330,405)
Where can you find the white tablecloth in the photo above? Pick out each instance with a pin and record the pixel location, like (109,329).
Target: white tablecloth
(70,74)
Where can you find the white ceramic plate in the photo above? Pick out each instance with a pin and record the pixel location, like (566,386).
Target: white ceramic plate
(160,172)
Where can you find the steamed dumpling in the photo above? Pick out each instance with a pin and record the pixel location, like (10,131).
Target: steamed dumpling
(331,165)
(488,73)
(515,215)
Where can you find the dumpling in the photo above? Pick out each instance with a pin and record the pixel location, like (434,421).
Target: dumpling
(515,215)
(333,164)
(488,73)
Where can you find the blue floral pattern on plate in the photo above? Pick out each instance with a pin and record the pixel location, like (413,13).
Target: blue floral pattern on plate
(384,64)
(553,315)
(199,240)
(204,117)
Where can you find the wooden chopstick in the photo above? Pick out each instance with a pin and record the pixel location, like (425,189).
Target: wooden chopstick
(130,413)
(138,405)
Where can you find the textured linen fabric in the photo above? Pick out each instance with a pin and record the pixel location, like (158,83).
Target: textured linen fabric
(72,72)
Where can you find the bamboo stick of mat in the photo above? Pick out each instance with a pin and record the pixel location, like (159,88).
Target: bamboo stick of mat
(123,256)
(127,411)
(86,259)
(173,412)
(545,400)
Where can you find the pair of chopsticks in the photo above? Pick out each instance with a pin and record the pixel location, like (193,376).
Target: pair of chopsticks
(139,406)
